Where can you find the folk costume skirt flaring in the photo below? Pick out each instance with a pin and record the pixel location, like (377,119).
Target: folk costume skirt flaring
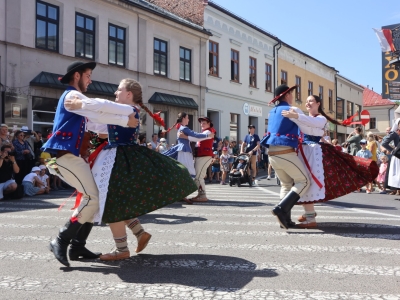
(135,180)
(337,172)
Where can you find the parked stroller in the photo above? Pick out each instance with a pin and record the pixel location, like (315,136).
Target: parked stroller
(236,178)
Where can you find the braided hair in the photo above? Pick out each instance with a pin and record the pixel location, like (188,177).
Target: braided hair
(133,86)
(321,112)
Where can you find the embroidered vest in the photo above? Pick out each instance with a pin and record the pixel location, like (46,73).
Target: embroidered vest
(68,129)
(204,148)
(281,131)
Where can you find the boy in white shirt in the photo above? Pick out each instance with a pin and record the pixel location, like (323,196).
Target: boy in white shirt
(32,184)
(44,178)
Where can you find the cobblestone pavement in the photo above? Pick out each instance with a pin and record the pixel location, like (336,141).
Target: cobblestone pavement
(228,248)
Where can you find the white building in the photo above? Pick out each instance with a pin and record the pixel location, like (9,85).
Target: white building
(240,73)
(131,38)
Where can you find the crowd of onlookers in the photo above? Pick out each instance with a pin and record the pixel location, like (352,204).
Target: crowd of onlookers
(22,164)
(23,170)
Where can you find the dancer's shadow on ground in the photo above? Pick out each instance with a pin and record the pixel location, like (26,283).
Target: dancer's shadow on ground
(358,230)
(360,205)
(197,270)
(169,219)
(222,202)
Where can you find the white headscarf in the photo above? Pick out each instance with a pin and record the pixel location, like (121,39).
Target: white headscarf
(395,125)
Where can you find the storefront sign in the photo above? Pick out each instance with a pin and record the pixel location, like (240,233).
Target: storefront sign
(390,75)
(252,110)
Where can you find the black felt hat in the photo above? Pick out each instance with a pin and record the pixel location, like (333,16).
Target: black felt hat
(281,91)
(207,119)
(75,67)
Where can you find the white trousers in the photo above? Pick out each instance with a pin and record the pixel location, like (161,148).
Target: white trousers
(76,172)
(289,169)
(201,165)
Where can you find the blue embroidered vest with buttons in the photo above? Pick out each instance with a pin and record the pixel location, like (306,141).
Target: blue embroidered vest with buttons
(281,131)
(121,136)
(68,129)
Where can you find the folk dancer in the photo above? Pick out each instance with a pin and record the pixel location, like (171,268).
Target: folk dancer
(68,142)
(282,140)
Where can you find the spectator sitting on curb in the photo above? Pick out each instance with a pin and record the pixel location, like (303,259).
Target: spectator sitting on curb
(8,167)
(32,184)
(44,178)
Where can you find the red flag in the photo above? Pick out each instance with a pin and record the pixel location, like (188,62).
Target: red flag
(385,39)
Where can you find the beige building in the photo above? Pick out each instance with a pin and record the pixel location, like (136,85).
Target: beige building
(381,112)
(135,39)
(310,75)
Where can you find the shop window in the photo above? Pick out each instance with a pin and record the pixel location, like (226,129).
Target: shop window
(233,127)
(43,113)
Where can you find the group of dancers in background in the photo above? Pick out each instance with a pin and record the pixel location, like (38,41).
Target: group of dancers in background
(121,180)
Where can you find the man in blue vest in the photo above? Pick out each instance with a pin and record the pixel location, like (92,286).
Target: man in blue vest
(69,143)
(282,139)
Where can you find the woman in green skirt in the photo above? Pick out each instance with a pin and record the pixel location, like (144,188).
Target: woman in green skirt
(132,180)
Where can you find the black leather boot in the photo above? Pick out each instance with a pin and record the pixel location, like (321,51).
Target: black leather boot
(282,210)
(78,243)
(289,221)
(60,244)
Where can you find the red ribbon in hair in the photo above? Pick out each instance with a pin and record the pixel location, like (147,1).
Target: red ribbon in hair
(349,122)
(157,118)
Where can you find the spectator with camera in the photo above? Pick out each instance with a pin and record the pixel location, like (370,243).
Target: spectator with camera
(8,167)
(24,156)
(162,146)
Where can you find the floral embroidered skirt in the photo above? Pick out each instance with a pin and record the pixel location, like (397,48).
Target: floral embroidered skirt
(343,173)
(142,181)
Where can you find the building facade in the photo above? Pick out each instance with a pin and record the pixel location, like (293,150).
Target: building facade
(239,79)
(381,112)
(311,76)
(127,39)
(349,101)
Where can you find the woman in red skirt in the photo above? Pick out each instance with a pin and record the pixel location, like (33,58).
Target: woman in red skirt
(334,173)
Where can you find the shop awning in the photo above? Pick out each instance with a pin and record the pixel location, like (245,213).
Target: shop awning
(50,80)
(167,99)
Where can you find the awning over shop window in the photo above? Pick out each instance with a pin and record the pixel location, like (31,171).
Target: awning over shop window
(167,99)
(50,80)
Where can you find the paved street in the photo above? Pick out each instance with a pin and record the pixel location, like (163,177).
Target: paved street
(228,248)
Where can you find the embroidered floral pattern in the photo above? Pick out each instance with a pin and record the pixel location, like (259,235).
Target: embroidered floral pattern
(344,173)
(142,181)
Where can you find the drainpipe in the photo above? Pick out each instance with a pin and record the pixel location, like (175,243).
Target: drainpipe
(137,47)
(276,61)
(200,86)
(336,105)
